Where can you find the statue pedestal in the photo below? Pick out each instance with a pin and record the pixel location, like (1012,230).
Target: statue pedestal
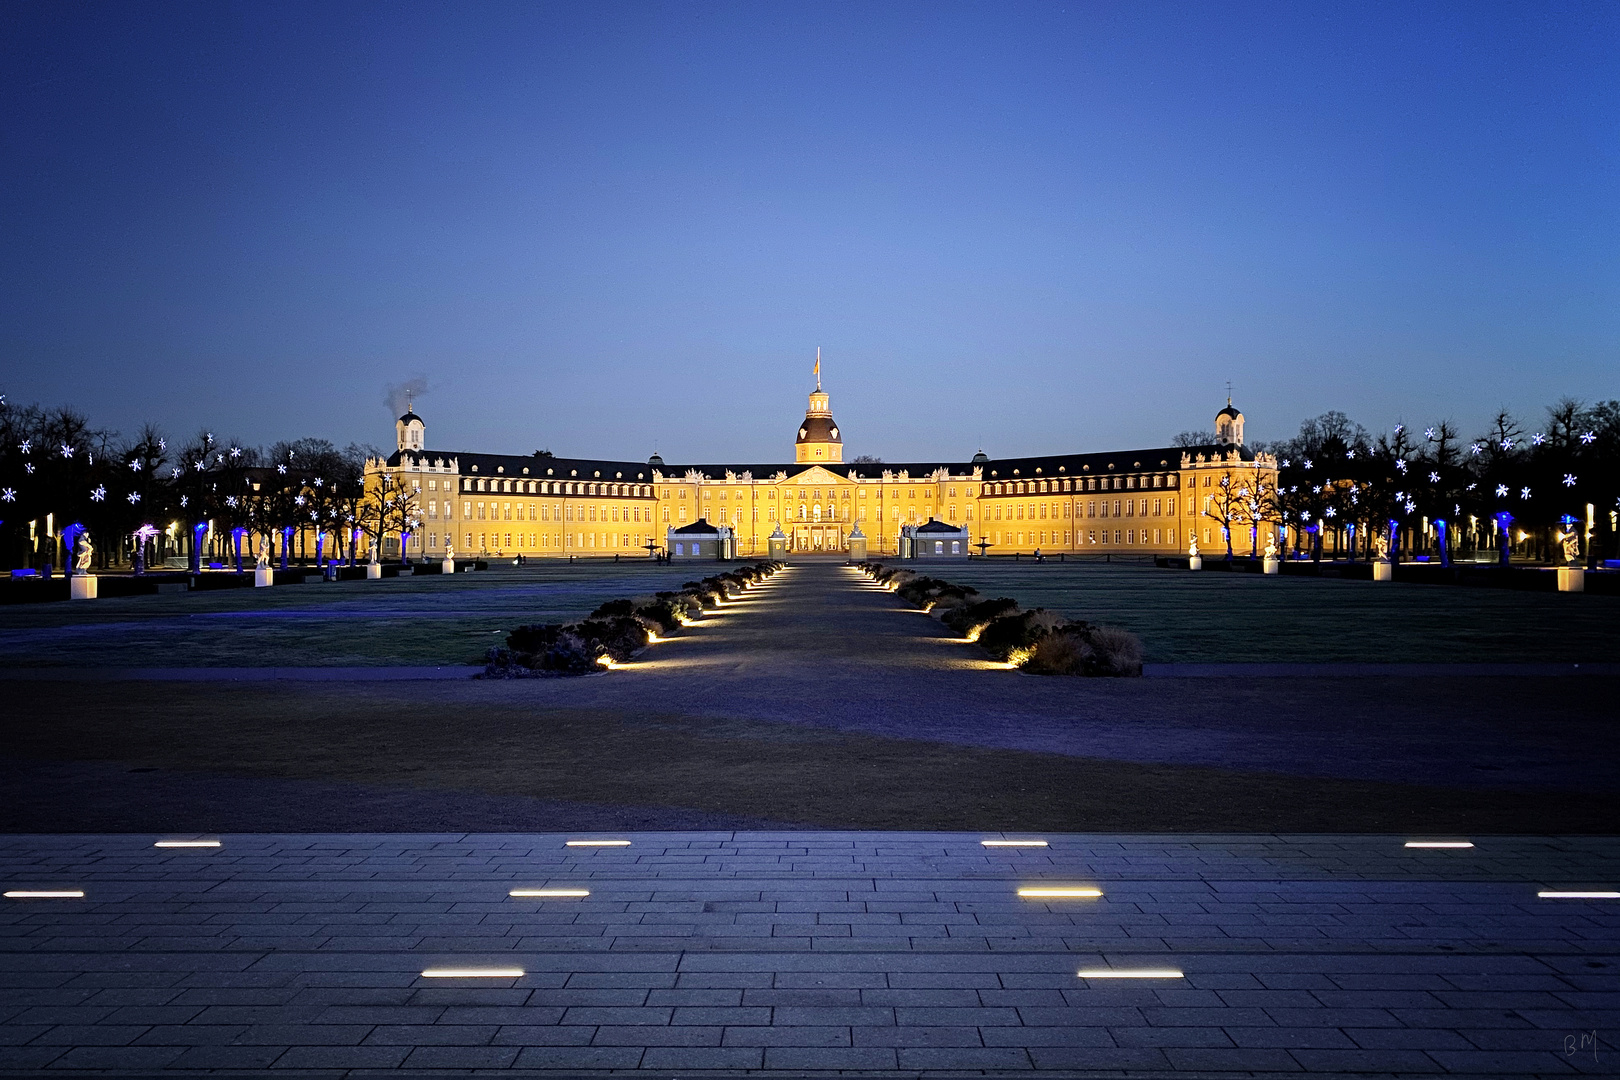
(263,577)
(373,571)
(1195,562)
(1270,564)
(1570,579)
(82,587)
(1383,570)
(448,566)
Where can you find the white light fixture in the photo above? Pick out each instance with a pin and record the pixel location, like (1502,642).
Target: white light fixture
(1059,892)
(1012,843)
(45,894)
(598,843)
(1130,973)
(549,892)
(187,843)
(473,973)
(1438,844)
(1548,894)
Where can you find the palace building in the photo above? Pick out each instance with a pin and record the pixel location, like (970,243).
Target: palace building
(1149,501)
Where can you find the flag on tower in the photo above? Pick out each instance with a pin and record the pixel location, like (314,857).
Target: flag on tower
(817,368)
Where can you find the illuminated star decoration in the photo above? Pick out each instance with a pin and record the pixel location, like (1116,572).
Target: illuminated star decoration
(201,464)
(1331,512)
(1317,490)
(184,499)
(319,481)
(1524,493)
(134,497)
(1588,438)
(1399,428)
(1304,515)
(1434,478)
(1569,480)
(1429,434)
(1507,444)
(176,472)
(1410,506)
(1471,487)
(1476,449)
(236,451)
(8,495)
(98,494)
(135,466)
(1350,453)
(1538,438)
(298,501)
(1501,491)
(26,446)
(1308,463)
(1285,463)
(282,469)
(163,444)
(208,437)
(230,500)
(1400,463)
(67,451)
(29,467)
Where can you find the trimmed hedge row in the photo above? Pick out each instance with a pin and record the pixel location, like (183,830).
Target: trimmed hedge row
(1039,641)
(615,631)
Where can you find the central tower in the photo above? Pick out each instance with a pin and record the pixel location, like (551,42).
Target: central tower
(818,439)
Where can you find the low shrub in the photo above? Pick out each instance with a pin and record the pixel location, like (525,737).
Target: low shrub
(970,619)
(1013,637)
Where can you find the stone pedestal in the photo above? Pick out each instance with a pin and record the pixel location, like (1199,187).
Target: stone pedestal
(1195,562)
(448,566)
(1383,570)
(83,586)
(373,571)
(1270,564)
(263,577)
(1570,579)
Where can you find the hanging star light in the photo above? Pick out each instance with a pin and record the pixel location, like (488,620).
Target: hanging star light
(8,495)
(67,451)
(175,472)
(98,494)
(1330,512)
(1538,438)
(1399,428)
(1507,444)
(1400,463)
(163,444)
(230,500)
(1429,434)
(184,499)
(318,481)
(201,464)
(236,451)
(1471,487)
(1476,449)
(1285,463)
(1588,438)
(26,446)
(135,466)
(29,468)
(1569,480)
(1410,506)
(1434,478)
(1317,490)
(1501,491)
(134,497)
(1304,515)
(298,500)
(282,469)
(1350,453)
(1524,493)
(1309,463)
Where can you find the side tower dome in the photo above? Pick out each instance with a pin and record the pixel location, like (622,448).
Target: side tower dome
(818,439)
(410,431)
(1229,426)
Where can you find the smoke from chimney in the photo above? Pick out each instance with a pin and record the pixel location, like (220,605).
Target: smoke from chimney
(398,396)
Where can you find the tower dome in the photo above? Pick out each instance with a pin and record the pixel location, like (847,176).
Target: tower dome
(818,439)
(981,458)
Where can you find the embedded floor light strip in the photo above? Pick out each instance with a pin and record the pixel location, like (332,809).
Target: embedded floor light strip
(1438,844)
(1130,973)
(598,843)
(1012,843)
(187,843)
(473,973)
(45,894)
(1548,894)
(1059,892)
(550,892)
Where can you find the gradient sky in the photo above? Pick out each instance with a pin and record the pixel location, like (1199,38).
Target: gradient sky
(601,228)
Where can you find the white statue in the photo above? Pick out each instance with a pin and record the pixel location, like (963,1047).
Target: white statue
(83,551)
(1381,542)
(374,551)
(1271,547)
(449,552)
(262,559)
(1192,548)
(1572,547)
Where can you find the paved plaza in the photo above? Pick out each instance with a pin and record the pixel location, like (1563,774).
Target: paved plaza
(795,952)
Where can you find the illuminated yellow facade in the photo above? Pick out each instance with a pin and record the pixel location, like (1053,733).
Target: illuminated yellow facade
(1138,502)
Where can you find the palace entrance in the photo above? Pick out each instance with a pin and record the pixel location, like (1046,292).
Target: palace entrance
(813,538)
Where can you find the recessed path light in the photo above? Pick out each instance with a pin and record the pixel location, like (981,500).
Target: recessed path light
(1439,844)
(598,843)
(1012,843)
(45,894)
(1547,894)
(550,892)
(473,973)
(187,843)
(1130,973)
(1059,892)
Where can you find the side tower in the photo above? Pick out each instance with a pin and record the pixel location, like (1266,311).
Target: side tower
(1229,426)
(410,431)
(818,440)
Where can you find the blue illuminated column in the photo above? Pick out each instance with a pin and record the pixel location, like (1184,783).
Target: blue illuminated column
(1503,539)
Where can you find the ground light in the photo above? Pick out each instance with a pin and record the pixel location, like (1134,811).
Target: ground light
(1439,844)
(473,973)
(1012,843)
(187,843)
(1547,894)
(598,843)
(45,894)
(1130,973)
(1058,892)
(553,893)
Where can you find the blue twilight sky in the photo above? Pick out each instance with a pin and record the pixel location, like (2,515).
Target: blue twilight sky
(606,227)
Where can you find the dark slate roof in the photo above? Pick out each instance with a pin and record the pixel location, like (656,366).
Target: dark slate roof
(1229,411)
(701,525)
(934,525)
(409,416)
(514,464)
(819,429)
(1118,461)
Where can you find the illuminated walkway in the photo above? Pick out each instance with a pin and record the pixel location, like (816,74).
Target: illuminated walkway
(807,951)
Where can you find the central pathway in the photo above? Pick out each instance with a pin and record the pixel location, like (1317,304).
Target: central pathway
(806,952)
